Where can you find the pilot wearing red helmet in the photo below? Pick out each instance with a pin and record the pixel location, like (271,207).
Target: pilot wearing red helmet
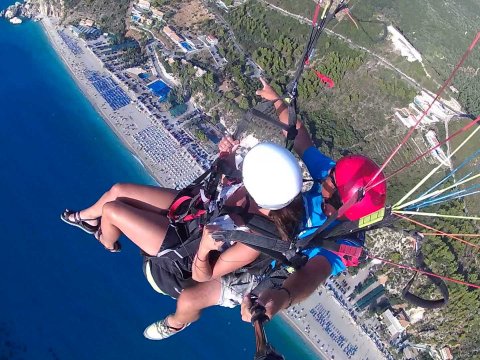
(335,185)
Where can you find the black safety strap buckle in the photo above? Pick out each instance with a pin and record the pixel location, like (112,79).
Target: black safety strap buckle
(296,259)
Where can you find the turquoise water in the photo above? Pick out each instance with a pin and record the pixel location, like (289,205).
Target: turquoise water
(62,295)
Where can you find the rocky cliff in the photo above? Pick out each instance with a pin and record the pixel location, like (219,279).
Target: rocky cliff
(52,8)
(109,15)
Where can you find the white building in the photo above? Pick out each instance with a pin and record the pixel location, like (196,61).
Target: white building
(393,325)
(157,14)
(438,153)
(170,32)
(87,22)
(211,40)
(446,354)
(144,4)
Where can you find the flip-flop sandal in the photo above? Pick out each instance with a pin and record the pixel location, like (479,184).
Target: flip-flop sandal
(79,222)
(117,247)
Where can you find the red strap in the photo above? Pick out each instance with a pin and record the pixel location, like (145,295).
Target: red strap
(353,251)
(315,15)
(175,205)
(193,216)
(349,254)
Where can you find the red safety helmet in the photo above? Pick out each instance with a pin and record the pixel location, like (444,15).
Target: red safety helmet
(354,172)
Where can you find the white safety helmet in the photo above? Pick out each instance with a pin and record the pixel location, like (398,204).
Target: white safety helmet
(271,175)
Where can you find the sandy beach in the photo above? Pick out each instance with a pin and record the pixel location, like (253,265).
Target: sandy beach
(127,122)
(329,328)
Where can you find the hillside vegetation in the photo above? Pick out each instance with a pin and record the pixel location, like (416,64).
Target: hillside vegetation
(440,30)
(356,116)
(110,15)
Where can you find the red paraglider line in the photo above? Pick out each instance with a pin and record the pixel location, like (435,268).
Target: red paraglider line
(315,15)
(437,234)
(437,96)
(438,231)
(462,130)
(407,267)
(347,11)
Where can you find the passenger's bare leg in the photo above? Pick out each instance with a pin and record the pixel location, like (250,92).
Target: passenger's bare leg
(192,301)
(145,228)
(153,198)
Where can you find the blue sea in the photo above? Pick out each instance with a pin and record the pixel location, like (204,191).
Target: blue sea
(62,295)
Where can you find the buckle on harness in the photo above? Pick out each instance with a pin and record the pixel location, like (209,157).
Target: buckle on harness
(296,259)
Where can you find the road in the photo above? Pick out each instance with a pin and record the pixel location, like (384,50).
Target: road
(232,37)
(305,20)
(384,61)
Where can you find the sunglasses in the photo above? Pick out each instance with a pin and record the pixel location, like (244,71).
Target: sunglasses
(334,199)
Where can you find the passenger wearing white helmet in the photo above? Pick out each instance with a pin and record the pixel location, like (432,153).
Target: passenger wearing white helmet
(271,176)
(211,272)
(263,165)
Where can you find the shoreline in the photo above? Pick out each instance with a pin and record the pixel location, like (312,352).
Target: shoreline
(286,319)
(49,30)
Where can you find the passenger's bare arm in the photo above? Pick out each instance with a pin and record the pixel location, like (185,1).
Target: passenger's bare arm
(303,139)
(234,258)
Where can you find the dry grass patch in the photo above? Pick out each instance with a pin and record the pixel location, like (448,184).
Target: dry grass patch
(191,13)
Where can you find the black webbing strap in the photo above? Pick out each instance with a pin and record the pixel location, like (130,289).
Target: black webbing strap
(261,225)
(292,123)
(276,248)
(186,249)
(379,219)
(252,239)
(439,283)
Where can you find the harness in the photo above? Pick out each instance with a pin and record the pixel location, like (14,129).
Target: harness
(171,269)
(352,253)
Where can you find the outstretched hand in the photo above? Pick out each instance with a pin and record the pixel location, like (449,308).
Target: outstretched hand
(228,145)
(267,92)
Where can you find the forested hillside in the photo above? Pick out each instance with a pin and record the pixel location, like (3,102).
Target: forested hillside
(440,30)
(356,116)
(110,15)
